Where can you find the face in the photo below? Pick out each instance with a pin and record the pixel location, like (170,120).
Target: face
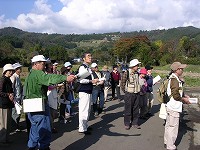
(179,71)
(115,68)
(55,67)
(18,70)
(149,72)
(135,68)
(9,73)
(40,65)
(96,68)
(88,58)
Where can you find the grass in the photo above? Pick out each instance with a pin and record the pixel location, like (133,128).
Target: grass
(189,81)
(189,68)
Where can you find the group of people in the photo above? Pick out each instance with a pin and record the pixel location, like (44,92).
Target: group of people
(46,82)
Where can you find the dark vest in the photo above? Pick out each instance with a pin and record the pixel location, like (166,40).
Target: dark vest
(87,88)
(97,87)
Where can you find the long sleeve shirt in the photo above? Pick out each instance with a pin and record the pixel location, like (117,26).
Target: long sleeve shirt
(37,82)
(175,89)
(17,87)
(5,88)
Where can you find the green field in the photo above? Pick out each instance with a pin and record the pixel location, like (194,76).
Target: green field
(190,81)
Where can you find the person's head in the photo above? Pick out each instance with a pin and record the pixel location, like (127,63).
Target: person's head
(87,58)
(63,70)
(55,66)
(49,67)
(149,69)
(68,66)
(8,70)
(105,68)
(177,68)
(94,67)
(143,72)
(115,67)
(38,62)
(134,64)
(17,67)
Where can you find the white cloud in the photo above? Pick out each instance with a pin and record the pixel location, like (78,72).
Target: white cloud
(100,16)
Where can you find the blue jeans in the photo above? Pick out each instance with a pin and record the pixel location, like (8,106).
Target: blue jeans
(40,132)
(95,94)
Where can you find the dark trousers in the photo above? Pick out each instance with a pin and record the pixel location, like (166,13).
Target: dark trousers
(131,109)
(62,111)
(115,86)
(143,105)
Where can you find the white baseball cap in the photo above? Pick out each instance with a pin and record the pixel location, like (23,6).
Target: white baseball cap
(67,64)
(7,67)
(16,65)
(93,65)
(54,64)
(38,58)
(134,62)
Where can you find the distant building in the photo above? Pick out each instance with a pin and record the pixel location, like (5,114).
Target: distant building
(77,60)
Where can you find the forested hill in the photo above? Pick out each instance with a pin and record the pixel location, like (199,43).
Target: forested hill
(163,46)
(153,35)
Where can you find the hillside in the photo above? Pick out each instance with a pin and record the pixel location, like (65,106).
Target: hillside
(19,45)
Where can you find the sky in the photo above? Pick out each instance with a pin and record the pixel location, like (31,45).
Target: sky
(98,16)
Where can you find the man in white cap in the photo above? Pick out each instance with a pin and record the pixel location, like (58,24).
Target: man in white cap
(36,85)
(6,103)
(98,90)
(131,87)
(18,93)
(174,106)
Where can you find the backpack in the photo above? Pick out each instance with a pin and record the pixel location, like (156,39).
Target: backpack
(162,96)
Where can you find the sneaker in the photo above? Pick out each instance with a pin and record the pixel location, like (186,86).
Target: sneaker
(96,114)
(54,130)
(18,130)
(136,126)
(127,127)
(85,133)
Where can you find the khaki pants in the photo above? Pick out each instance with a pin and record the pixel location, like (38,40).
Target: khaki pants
(5,123)
(171,128)
(149,101)
(106,89)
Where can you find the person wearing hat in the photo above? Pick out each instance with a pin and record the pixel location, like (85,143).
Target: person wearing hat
(106,73)
(115,82)
(97,92)
(55,66)
(6,103)
(143,91)
(36,85)
(150,99)
(174,106)
(18,93)
(131,87)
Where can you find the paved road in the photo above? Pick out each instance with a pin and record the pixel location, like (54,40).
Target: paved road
(109,133)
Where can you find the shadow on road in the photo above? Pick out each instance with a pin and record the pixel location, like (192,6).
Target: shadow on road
(100,128)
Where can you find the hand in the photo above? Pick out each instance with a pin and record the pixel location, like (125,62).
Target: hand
(94,81)
(100,82)
(71,78)
(11,96)
(186,100)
